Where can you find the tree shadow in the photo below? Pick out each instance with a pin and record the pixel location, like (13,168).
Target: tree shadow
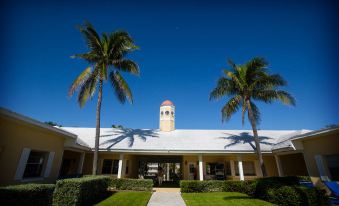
(129,134)
(245,138)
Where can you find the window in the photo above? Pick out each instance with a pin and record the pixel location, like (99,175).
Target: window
(127,163)
(333,166)
(35,164)
(167,112)
(228,168)
(110,166)
(162,113)
(214,169)
(248,168)
(172,114)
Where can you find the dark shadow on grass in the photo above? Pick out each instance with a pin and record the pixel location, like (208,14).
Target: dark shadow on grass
(129,134)
(245,138)
(238,198)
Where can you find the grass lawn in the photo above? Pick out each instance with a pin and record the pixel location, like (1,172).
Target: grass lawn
(126,198)
(221,198)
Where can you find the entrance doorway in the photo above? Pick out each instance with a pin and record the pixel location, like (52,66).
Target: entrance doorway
(165,168)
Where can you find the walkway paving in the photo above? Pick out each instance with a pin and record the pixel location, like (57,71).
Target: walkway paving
(166,197)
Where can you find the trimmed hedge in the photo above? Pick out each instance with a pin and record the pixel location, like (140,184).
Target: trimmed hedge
(201,186)
(27,194)
(80,191)
(296,196)
(248,186)
(131,184)
(278,190)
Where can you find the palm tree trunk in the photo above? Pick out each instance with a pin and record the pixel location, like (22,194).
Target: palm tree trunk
(256,137)
(97,130)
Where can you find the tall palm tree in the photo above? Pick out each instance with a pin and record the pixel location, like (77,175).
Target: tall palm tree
(106,58)
(244,84)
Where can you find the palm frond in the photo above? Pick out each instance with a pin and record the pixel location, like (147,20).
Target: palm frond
(256,112)
(91,37)
(235,79)
(121,88)
(127,65)
(88,88)
(269,96)
(224,87)
(231,107)
(79,81)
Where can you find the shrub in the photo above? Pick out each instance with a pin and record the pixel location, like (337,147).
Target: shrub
(265,184)
(27,194)
(247,187)
(304,178)
(131,184)
(314,196)
(201,186)
(80,191)
(297,196)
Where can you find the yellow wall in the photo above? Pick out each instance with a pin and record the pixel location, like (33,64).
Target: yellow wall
(293,165)
(322,145)
(17,135)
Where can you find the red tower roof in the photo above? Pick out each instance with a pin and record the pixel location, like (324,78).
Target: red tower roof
(167,103)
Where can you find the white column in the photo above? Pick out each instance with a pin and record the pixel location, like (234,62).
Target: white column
(201,171)
(167,171)
(241,171)
(121,158)
(279,166)
(81,162)
(321,168)
(232,168)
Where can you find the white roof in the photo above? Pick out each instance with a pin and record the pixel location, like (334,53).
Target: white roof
(214,141)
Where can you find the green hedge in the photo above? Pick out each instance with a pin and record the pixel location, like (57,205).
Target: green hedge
(201,186)
(80,191)
(248,186)
(27,194)
(278,190)
(131,184)
(297,196)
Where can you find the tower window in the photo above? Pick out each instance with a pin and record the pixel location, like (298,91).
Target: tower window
(167,112)
(172,114)
(162,113)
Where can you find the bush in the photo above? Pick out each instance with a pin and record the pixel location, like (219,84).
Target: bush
(80,191)
(297,196)
(131,184)
(27,194)
(284,196)
(304,178)
(269,183)
(247,187)
(201,186)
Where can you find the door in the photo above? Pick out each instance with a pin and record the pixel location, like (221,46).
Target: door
(192,171)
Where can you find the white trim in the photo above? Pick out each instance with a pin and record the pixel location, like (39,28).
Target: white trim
(241,170)
(22,164)
(279,166)
(121,158)
(321,167)
(81,162)
(201,171)
(49,164)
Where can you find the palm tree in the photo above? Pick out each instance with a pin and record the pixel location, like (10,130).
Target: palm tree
(106,58)
(244,84)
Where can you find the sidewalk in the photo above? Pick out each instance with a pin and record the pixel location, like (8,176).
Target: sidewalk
(166,197)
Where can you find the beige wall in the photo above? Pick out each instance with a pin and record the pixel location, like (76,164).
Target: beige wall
(17,135)
(322,145)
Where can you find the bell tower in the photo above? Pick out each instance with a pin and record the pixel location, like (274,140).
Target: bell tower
(167,114)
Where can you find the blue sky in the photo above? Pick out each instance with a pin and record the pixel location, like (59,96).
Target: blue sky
(183,48)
